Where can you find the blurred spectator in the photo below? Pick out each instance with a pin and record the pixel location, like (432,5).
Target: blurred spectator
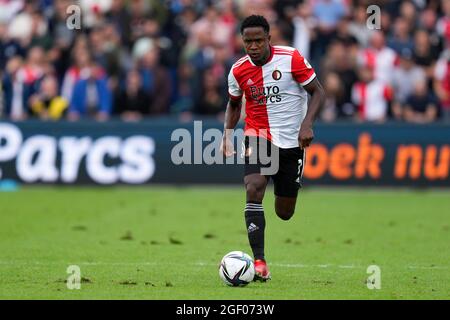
(183,49)
(63,37)
(379,57)
(277,36)
(344,35)
(212,101)
(401,39)
(424,54)
(91,96)
(108,51)
(94,12)
(120,18)
(371,96)
(443,24)
(341,62)
(428,20)
(408,13)
(421,106)
(358,26)
(82,60)
(211,20)
(404,80)
(21,81)
(184,101)
(139,16)
(442,83)
(131,103)
(304,24)
(328,13)
(155,78)
(46,103)
(334,97)
(9,9)
(12,91)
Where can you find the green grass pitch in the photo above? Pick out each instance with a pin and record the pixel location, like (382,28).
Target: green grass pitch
(166,243)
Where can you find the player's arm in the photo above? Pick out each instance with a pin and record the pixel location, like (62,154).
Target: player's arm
(306,134)
(232,116)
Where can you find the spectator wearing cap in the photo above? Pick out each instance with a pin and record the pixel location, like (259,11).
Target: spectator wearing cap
(405,77)
(421,106)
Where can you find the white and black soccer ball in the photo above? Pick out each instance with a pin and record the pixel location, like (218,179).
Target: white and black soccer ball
(237,269)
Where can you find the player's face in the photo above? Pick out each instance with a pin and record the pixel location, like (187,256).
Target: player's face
(256,44)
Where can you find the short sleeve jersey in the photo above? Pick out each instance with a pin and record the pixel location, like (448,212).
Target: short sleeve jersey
(276,102)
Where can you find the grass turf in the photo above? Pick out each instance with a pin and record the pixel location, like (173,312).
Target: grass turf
(166,243)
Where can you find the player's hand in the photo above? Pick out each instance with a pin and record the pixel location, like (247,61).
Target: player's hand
(306,136)
(227,147)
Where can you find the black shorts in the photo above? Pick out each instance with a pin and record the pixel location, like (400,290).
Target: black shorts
(259,155)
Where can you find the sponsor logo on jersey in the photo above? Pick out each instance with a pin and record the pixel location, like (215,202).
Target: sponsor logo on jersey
(265,94)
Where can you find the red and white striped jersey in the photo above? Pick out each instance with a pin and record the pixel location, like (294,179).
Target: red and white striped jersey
(276,102)
(383,61)
(372,99)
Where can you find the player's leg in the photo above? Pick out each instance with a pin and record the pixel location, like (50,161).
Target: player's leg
(285,207)
(255,185)
(288,181)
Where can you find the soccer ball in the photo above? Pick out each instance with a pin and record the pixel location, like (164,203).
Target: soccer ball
(237,269)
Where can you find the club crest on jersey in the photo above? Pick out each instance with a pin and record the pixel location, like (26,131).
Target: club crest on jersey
(276,74)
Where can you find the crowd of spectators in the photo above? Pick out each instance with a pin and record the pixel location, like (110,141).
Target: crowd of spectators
(140,58)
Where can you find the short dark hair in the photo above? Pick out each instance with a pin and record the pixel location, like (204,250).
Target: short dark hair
(255,21)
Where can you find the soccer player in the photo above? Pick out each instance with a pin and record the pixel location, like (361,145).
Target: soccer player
(275,81)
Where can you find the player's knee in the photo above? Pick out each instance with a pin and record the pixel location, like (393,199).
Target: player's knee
(254,191)
(284,214)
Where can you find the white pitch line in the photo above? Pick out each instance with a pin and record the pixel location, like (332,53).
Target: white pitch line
(197,264)
(428,268)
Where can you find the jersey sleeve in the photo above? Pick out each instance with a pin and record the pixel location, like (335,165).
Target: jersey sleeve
(302,71)
(234,90)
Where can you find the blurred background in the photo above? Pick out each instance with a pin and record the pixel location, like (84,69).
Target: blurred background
(147,58)
(124,75)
